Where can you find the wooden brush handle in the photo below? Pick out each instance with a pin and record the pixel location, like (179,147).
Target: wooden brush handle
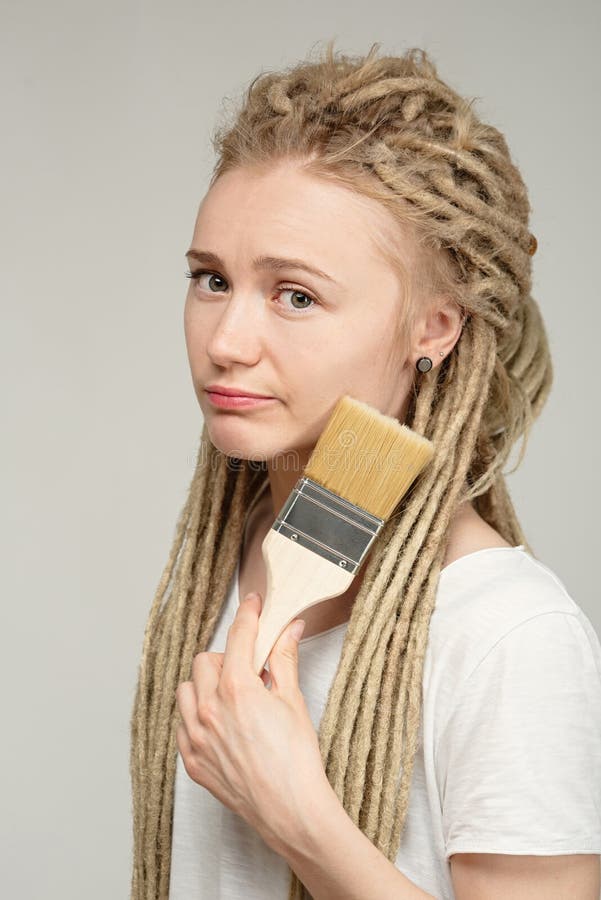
(297,578)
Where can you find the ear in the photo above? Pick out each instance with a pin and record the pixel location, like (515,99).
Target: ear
(437,329)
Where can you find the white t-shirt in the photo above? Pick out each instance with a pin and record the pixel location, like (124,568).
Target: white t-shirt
(509,756)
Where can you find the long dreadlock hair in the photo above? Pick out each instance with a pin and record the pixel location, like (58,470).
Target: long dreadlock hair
(389,128)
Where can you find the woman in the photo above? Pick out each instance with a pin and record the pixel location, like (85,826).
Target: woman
(437,731)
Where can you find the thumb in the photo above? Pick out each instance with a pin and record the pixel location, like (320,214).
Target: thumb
(283,659)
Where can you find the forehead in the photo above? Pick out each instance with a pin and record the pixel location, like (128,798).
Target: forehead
(284,210)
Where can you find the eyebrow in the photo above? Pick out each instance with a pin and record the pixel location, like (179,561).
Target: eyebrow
(262,262)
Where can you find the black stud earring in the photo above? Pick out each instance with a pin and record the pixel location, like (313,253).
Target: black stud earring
(424,364)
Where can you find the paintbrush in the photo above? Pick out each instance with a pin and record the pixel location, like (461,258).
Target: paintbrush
(361,467)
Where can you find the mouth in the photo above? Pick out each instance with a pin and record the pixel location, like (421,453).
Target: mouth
(237,401)
(235,392)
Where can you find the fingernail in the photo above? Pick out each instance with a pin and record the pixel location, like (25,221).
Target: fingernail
(297,629)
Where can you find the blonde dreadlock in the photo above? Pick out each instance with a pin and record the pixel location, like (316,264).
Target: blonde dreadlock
(389,128)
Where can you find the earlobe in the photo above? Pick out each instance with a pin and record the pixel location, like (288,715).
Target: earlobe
(424,364)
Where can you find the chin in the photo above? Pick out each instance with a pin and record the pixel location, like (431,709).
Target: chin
(233,446)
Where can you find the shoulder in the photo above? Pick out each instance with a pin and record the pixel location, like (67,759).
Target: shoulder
(505,582)
(487,586)
(493,598)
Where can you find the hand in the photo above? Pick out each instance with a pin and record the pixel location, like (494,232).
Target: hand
(252,747)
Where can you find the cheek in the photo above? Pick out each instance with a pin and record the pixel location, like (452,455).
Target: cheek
(196,330)
(189,338)
(377,347)
(188,318)
(357,364)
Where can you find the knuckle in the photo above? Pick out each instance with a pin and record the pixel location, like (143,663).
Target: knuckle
(191,768)
(230,690)
(207,712)
(237,625)
(197,736)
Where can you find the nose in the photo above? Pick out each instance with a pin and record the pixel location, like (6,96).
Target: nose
(236,333)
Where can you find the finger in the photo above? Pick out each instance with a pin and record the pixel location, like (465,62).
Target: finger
(186,700)
(283,659)
(183,741)
(241,637)
(206,672)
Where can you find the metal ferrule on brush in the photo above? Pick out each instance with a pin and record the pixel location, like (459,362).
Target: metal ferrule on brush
(325,523)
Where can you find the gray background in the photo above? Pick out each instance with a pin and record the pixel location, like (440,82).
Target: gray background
(107,114)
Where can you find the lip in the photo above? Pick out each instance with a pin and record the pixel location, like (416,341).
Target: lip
(228,401)
(235,392)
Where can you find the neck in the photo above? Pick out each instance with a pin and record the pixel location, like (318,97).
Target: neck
(283,473)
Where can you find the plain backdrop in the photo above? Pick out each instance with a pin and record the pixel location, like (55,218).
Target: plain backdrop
(107,113)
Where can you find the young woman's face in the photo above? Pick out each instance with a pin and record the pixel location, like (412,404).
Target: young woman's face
(301,338)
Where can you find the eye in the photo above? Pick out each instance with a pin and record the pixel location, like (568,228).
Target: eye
(287,289)
(196,276)
(216,281)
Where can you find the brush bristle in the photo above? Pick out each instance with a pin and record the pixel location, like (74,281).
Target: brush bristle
(367,458)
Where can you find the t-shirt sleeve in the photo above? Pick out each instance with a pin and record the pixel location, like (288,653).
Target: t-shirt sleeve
(519,760)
